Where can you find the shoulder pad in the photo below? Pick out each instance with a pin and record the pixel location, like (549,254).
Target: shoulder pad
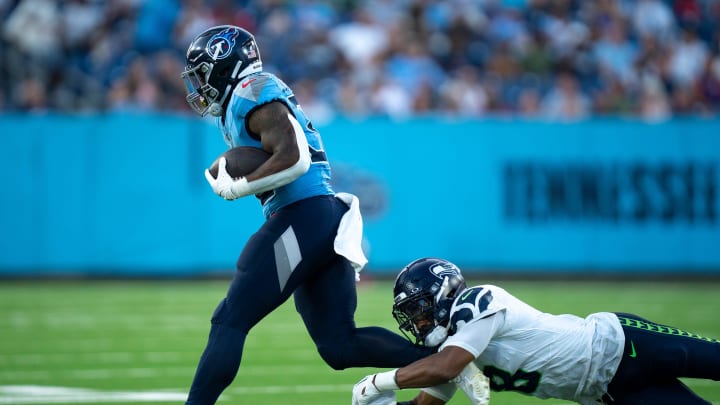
(471,304)
(257,90)
(251,87)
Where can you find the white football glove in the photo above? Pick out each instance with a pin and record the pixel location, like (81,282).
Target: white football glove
(225,185)
(375,389)
(474,384)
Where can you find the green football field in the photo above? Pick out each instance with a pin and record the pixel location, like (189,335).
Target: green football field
(134,342)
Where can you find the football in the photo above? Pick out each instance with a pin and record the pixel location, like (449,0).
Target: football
(241,160)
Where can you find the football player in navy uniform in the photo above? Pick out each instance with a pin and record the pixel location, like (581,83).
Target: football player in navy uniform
(604,358)
(309,245)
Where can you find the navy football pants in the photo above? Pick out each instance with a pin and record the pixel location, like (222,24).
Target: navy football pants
(655,356)
(293,252)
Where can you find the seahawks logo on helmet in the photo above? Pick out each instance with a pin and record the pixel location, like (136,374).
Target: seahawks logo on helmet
(221,44)
(442,270)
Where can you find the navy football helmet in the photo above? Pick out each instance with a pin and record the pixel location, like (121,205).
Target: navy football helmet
(424,292)
(217,59)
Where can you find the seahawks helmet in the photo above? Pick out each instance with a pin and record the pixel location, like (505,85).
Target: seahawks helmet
(424,292)
(217,59)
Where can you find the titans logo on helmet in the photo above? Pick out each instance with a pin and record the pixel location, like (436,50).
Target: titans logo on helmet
(222,43)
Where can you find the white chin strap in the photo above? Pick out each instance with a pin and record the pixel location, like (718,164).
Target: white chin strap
(436,336)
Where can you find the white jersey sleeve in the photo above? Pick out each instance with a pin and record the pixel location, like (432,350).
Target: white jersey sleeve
(522,349)
(481,329)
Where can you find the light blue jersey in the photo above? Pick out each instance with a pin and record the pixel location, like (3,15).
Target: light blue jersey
(252,92)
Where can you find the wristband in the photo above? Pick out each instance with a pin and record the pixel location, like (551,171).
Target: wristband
(385,381)
(240,188)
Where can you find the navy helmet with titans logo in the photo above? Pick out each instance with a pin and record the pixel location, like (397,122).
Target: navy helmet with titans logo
(217,59)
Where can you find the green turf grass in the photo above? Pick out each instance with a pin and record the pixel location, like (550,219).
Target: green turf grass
(120,337)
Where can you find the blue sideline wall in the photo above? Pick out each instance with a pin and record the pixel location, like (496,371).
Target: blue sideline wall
(125,195)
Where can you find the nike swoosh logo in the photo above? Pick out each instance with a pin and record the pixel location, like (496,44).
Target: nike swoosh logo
(466,295)
(632,347)
(247,83)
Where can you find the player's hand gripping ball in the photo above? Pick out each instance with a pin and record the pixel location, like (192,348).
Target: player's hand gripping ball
(227,173)
(240,161)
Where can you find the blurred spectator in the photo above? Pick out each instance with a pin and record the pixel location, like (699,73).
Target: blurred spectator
(33,97)
(653,18)
(135,92)
(687,60)
(35,28)
(360,40)
(649,58)
(614,99)
(390,98)
(276,38)
(194,17)
(165,66)
(566,34)
(537,57)
(353,99)
(709,83)
(654,102)
(228,12)
(566,101)
(321,111)
(615,54)
(411,65)
(424,102)
(688,12)
(506,26)
(155,22)
(463,94)
(81,19)
(528,105)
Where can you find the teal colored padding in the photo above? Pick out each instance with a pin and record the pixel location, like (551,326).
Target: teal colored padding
(126,194)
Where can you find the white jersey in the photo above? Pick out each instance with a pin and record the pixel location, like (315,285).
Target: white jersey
(522,349)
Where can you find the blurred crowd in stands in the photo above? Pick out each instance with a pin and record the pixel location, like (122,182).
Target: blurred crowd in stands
(551,59)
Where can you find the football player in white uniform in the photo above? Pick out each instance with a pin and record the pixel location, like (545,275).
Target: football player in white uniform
(604,358)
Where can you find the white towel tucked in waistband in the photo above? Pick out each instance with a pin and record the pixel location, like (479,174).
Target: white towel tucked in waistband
(348,242)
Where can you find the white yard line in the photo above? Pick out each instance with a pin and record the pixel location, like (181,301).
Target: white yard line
(137,372)
(36,394)
(290,389)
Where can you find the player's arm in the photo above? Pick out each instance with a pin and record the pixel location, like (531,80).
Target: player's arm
(435,369)
(454,362)
(456,353)
(280,134)
(442,373)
